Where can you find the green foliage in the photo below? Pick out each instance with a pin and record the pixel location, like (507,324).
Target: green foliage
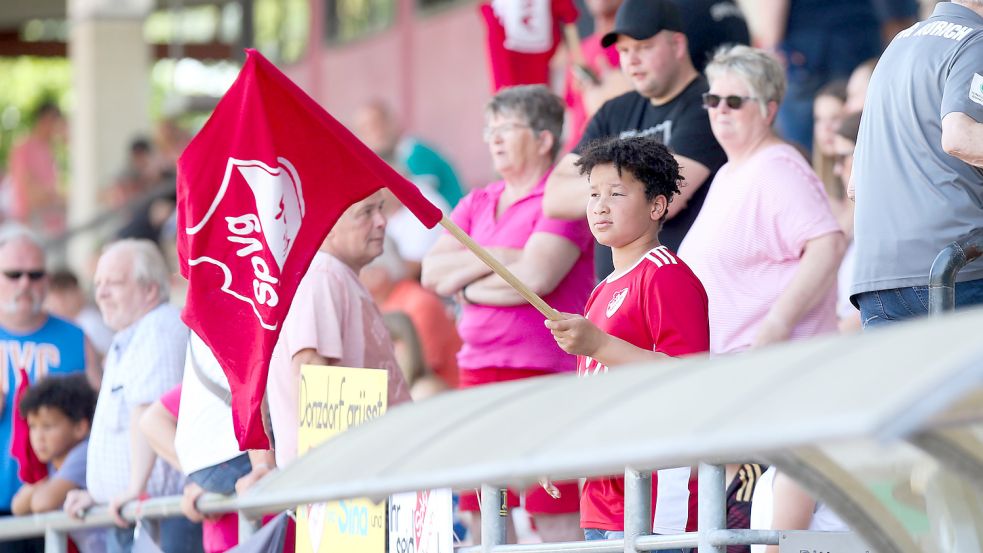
(27,82)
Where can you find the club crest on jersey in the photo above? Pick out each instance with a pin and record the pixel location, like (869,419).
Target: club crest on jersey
(258,209)
(976,89)
(616,301)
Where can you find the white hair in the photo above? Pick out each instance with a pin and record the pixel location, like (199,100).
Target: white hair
(759,70)
(13,232)
(148,265)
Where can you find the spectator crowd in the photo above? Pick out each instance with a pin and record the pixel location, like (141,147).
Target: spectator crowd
(708,183)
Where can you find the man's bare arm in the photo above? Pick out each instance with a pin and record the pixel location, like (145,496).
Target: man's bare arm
(962,138)
(767,20)
(566,191)
(694,175)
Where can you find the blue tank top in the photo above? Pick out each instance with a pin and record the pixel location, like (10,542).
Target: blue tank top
(58,347)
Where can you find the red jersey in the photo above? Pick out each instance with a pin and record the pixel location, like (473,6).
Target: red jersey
(657,304)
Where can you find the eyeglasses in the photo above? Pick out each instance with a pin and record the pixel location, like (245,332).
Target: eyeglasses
(491,132)
(733,102)
(33,276)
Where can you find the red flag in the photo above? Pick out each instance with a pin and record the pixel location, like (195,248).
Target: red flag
(30,469)
(258,190)
(522,37)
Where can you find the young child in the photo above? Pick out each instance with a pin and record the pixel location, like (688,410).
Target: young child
(59,413)
(651,307)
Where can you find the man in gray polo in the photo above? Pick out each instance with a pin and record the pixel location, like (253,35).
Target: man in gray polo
(917,168)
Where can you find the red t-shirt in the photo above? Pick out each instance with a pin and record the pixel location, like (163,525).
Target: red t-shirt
(658,304)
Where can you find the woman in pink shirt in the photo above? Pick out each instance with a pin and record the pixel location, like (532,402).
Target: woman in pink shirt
(765,245)
(34,198)
(504,337)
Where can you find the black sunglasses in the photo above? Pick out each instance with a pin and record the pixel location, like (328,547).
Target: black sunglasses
(733,102)
(33,276)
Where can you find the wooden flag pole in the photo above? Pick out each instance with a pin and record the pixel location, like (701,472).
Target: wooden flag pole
(572,38)
(500,270)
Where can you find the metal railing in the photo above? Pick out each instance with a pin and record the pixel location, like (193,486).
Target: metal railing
(712,537)
(942,276)
(56,525)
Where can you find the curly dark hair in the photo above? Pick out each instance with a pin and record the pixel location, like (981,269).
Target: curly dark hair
(647,159)
(71,394)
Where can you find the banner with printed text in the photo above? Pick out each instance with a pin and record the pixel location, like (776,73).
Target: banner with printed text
(333,400)
(421,522)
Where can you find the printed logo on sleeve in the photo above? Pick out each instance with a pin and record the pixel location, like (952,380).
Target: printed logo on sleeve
(976,89)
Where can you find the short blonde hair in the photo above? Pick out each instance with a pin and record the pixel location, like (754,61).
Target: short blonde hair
(762,73)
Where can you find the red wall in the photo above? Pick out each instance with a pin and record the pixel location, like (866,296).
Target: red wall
(430,68)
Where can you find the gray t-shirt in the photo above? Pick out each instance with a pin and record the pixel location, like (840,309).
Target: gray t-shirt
(912,198)
(73,470)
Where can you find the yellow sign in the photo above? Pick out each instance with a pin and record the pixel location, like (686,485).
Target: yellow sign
(333,400)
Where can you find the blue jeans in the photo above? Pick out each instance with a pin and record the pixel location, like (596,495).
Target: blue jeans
(221,478)
(594,534)
(886,307)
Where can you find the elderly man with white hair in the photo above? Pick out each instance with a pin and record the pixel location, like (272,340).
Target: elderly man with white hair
(33,344)
(146,360)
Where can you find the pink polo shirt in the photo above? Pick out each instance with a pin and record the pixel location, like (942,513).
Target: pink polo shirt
(515,337)
(746,244)
(333,314)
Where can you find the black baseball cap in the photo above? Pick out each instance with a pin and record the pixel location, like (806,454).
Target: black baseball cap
(642,19)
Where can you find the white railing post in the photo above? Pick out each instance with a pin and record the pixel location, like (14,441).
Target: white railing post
(248,527)
(54,541)
(494,510)
(638,506)
(712,506)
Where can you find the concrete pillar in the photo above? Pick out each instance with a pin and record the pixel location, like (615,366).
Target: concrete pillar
(111,84)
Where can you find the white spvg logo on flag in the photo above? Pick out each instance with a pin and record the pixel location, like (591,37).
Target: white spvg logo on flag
(265,232)
(976,89)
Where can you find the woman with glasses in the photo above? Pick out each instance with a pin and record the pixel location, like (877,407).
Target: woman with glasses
(504,337)
(765,245)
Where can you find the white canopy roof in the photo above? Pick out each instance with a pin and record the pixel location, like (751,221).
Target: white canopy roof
(881,384)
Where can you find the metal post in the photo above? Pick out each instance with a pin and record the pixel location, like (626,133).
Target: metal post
(942,279)
(55,541)
(248,527)
(942,276)
(494,509)
(638,506)
(712,506)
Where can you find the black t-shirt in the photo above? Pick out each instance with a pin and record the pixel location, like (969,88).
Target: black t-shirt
(710,24)
(683,126)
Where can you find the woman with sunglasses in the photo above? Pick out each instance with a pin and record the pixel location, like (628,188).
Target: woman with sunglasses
(766,244)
